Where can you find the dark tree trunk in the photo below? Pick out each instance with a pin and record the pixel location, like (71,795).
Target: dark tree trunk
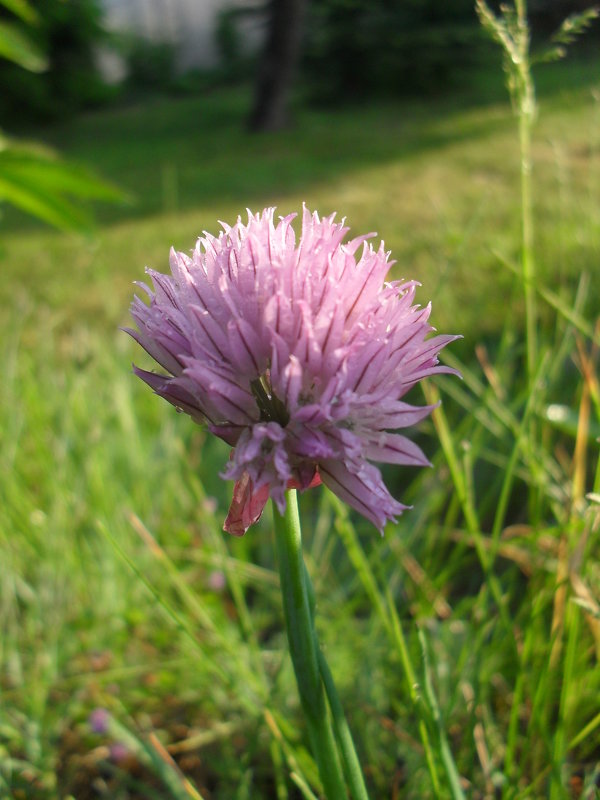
(278,65)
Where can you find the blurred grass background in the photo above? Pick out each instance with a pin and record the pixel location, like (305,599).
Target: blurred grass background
(117,588)
(436,179)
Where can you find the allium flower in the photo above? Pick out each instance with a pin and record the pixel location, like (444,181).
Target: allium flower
(297,356)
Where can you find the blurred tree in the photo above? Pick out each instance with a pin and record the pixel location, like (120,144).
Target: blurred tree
(278,64)
(150,64)
(356,48)
(237,50)
(32,177)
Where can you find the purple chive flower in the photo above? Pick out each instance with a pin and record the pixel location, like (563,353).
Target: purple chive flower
(296,355)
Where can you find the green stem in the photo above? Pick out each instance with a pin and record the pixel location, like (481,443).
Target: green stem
(413,690)
(443,745)
(303,648)
(526,109)
(525,122)
(343,737)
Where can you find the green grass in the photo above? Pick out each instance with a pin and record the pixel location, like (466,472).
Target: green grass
(111,505)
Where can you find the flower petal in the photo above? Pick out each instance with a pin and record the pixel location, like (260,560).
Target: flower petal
(246,506)
(172,391)
(392,448)
(365,491)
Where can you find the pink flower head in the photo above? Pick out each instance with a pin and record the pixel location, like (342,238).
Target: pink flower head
(297,355)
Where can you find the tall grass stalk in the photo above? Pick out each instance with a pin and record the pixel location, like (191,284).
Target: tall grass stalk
(424,703)
(511,30)
(524,94)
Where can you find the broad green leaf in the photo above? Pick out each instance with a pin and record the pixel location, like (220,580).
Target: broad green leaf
(57,176)
(47,206)
(16,46)
(35,180)
(26,147)
(22,9)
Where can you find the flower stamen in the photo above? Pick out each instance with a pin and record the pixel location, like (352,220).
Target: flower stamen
(270,406)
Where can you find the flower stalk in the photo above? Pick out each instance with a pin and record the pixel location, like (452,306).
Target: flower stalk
(341,730)
(343,737)
(304,648)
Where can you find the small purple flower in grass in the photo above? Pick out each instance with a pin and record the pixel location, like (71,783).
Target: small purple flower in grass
(118,752)
(217,580)
(296,355)
(99,720)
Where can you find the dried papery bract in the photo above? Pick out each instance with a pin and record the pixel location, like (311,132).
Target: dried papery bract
(297,354)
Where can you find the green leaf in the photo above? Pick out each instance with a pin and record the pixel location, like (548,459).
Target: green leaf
(555,301)
(53,175)
(22,9)
(35,180)
(47,206)
(17,47)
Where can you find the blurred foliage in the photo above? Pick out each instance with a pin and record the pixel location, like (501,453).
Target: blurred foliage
(150,64)
(32,177)
(237,56)
(355,48)
(67,32)
(352,49)
(383,48)
(15,45)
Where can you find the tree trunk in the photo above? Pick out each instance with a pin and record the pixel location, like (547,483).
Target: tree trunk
(278,65)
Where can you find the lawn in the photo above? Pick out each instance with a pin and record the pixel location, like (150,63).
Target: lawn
(118,590)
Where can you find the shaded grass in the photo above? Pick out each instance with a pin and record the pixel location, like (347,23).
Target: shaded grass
(185,640)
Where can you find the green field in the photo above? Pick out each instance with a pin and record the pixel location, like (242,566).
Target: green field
(118,589)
